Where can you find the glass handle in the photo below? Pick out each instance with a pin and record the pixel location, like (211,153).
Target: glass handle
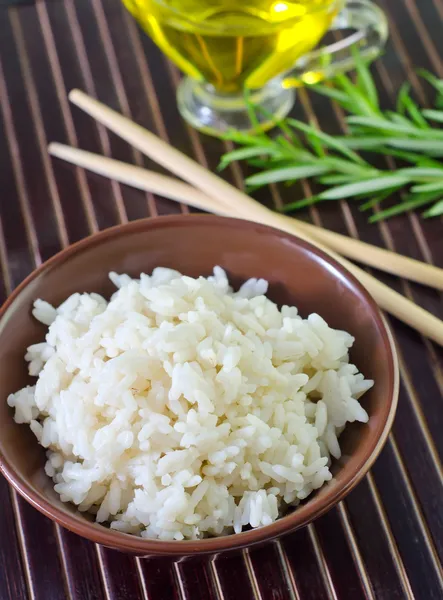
(370,35)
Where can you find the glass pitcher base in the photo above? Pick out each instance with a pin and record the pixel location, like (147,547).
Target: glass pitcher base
(213,113)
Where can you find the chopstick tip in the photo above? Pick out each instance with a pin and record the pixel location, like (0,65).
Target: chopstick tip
(56,149)
(52,148)
(75,94)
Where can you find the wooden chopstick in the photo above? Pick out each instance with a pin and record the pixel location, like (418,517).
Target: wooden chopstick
(169,187)
(213,186)
(139,178)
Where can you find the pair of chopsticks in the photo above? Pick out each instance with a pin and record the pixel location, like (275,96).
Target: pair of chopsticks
(211,193)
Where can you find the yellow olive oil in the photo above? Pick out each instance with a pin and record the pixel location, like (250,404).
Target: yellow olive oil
(233,44)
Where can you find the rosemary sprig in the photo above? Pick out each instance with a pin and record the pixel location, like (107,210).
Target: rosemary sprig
(410,134)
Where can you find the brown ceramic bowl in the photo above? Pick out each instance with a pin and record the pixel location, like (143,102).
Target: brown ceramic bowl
(298,274)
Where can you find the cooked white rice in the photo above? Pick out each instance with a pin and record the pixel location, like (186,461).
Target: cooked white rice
(180,409)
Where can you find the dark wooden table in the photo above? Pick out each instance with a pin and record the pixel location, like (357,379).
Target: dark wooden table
(386,540)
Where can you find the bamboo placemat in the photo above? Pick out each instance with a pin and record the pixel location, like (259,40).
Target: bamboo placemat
(386,540)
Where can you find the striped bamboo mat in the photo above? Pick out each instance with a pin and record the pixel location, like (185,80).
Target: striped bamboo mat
(386,540)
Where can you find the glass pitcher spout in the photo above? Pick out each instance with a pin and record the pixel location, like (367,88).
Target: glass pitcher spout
(369,36)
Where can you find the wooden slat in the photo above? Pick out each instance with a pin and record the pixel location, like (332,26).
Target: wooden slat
(81,566)
(385,541)
(304,566)
(196,580)
(338,550)
(121,576)
(158,578)
(44,567)
(269,573)
(233,575)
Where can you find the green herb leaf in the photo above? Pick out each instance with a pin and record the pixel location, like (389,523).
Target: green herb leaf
(433,115)
(332,93)
(397,118)
(243,153)
(300,204)
(406,104)
(434,81)
(328,140)
(364,80)
(411,202)
(362,142)
(426,161)
(300,150)
(290,173)
(291,151)
(420,172)
(266,163)
(364,187)
(432,147)
(383,125)
(240,137)
(375,200)
(253,117)
(337,179)
(435,210)
(316,145)
(428,187)
(351,168)
(359,102)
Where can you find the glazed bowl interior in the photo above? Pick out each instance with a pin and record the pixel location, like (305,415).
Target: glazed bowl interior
(298,275)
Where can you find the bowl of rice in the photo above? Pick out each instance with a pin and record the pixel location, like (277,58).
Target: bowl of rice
(191,385)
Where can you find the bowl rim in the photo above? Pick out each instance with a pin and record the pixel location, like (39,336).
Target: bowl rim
(300,517)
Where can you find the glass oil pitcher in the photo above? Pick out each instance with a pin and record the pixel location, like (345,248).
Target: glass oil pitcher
(225,47)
